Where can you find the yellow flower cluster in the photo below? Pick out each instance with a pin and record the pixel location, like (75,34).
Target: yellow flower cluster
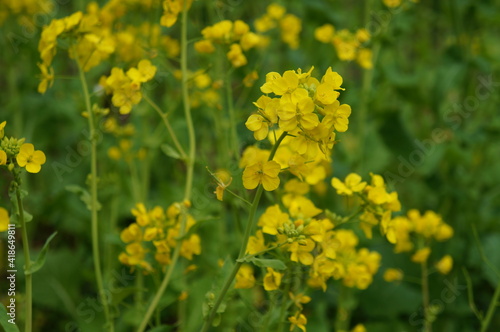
(236,34)
(312,242)
(378,203)
(14,152)
(341,260)
(94,43)
(289,24)
(349,46)
(308,112)
(171,10)
(156,231)
(126,87)
(24,10)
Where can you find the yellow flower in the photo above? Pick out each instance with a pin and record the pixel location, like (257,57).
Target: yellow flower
(2,128)
(236,56)
(47,78)
(223,179)
(337,116)
(359,328)
(299,320)
(324,33)
(132,233)
(445,264)
(272,219)
(352,184)
(265,173)
(301,252)
(141,214)
(391,275)
(421,255)
(204,46)
(245,277)
(30,159)
(143,73)
(392,3)
(256,243)
(272,280)
(275,11)
(3,157)
(4,219)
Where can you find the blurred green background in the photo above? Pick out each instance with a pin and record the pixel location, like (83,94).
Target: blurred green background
(426,117)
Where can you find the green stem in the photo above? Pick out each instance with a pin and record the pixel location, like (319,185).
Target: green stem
(247,257)
(190,161)
(232,115)
(425,297)
(342,319)
(171,132)
(244,244)
(284,306)
(491,309)
(93,194)
(28,277)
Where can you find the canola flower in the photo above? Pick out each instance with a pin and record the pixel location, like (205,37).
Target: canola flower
(288,24)
(349,46)
(155,231)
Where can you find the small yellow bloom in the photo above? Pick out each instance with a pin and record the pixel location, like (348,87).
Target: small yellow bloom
(272,280)
(392,3)
(204,46)
(266,173)
(245,277)
(2,128)
(47,78)
(3,157)
(391,275)
(445,264)
(324,33)
(30,159)
(299,320)
(351,185)
(236,56)
(359,328)
(4,219)
(421,255)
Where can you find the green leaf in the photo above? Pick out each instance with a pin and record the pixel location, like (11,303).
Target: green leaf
(84,196)
(4,320)
(272,263)
(170,151)
(37,265)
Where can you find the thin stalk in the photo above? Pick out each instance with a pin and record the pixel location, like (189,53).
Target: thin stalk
(425,297)
(190,161)
(491,309)
(284,307)
(171,132)
(244,244)
(342,319)
(93,195)
(28,277)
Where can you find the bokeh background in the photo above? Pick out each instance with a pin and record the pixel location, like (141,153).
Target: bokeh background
(426,117)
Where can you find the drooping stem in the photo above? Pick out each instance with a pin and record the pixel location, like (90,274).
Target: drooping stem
(27,262)
(171,132)
(94,201)
(244,244)
(190,161)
